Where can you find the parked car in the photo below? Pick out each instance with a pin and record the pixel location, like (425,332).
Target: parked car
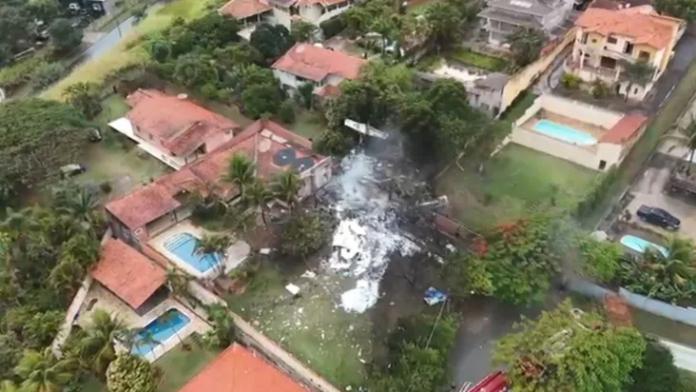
(658,217)
(72,169)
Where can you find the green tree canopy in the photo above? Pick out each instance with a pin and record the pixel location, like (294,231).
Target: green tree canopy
(37,137)
(64,36)
(684,9)
(565,350)
(304,234)
(657,372)
(526,44)
(130,373)
(600,259)
(271,41)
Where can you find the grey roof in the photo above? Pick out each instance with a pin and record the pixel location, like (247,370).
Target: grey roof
(534,7)
(494,81)
(511,18)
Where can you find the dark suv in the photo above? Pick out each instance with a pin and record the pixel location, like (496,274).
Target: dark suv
(658,217)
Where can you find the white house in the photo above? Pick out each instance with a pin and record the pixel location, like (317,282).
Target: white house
(322,67)
(284,12)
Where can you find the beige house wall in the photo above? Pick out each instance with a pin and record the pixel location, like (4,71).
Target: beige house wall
(523,79)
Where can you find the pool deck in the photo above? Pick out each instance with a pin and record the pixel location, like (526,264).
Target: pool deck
(235,255)
(593,130)
(107,301)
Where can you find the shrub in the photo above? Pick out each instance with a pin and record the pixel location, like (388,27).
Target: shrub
(599,89)
(600,260)
(47,74)
(332,142)
(304,234)
(286,113)
(20,72)
(570,81)
(209,91)
(130,373)
(332,27)
(106,187)
(598,193)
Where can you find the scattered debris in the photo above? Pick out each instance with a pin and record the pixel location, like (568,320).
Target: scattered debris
(434,296)
(308,274)
(265,251)
(294,290)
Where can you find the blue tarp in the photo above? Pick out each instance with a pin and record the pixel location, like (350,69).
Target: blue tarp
(434,296)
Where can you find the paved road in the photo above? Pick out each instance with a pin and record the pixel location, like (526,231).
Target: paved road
(684,54)
(684,357)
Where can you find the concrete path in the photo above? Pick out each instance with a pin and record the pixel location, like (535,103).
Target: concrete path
(684,357)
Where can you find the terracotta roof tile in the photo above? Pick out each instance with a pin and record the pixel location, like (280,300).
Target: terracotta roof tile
(239,370)
(624,129)
(169,117)
(241,9)
(147,203)
(127,273)
(315,63)
(640,24)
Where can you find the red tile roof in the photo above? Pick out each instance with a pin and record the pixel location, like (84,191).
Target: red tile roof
(179,124)
(239,370)
(259,141)
(316,63)
(127,273)
(241,9)
(640,24)
(624,129)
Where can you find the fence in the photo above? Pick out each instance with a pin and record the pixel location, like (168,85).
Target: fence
(650,305)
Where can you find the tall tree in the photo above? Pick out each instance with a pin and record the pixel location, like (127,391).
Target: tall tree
(178,282)
(194,70)
(635,73)
(42,372)
(84,97)
(130,373)
(213,244)
(657,372)
(257,197)
(684,9)
(304,234)
(600,260)
(526,44)
(565,350)
(241,172)
(445,24)
(286,186)
(224,329)
(97,346)
(64,35)
(302,31)
(271,41)
(260,100)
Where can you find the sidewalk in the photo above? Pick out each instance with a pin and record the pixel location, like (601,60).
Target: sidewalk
(684,357)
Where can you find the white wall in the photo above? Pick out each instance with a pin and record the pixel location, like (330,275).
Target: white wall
(579,110)
(287,80)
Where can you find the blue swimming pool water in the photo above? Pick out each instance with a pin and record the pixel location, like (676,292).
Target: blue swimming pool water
(160,329)
(640,245)
(565,133)
(183,245)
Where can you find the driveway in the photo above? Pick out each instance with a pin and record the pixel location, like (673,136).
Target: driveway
(649,190)
(484,321)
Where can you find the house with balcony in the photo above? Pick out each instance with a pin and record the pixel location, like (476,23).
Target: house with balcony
(608,38)
(173,129)
(501,17)
(324,68)
(284,12)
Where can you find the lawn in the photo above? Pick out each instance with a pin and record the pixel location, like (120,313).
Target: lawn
(128,52)
(514,182)
(519,106)
(308,123)
(178,366)
(478,60)
(311,327)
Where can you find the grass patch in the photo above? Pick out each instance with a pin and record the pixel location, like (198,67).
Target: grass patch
(128,52)
(113,107)
(311,327)
(309,124)
(513,182)
(429,62)
(419,7)
(478,60)
(180,365)
(519,106)
(665,120)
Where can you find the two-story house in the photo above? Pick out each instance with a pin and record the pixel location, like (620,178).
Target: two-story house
(172,128)
(322,67)
(608,38)
(501,17)
(284,12)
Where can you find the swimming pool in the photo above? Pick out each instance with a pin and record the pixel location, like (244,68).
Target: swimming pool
(564,132)
(640,245)
(159,330)
(183,245)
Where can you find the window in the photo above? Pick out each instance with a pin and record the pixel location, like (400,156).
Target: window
(611,40)
(584,38)
(594,41)
(643,55)
(602,164)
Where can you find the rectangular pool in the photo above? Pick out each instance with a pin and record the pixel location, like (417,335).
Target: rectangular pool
(183,245)
(564,132)
(159,330)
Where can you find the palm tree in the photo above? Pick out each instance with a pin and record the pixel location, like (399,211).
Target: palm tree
(97,346)
(258,196)
(240,172)
(689,134)
(214,244)
(638,72)
(43,372)
(66,275)
(178,282)
(285,187)
(168,318)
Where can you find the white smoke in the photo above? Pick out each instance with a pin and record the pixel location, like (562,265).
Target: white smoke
(367,231)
